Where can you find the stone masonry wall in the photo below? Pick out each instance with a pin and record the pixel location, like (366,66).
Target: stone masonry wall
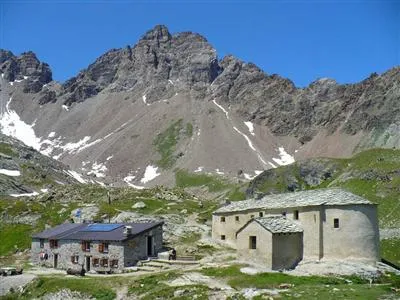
(136,249)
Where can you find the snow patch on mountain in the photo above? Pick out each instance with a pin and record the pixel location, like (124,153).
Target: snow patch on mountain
(285,158)
(222,108)
(149,174)
(219,172)
(144,97)
(128,179)
(76,176)
(98,169)
(250,126)
(12,173)
(12,125)
(25,194)
(199,169)
(260,158)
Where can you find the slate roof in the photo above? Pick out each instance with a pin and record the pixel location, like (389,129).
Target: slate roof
(296,199)
(278,224)
(76,231)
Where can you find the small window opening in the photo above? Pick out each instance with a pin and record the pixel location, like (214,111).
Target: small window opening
(53,244)
(261,214)
(103,247)
(41,241)
(114,263)
(75,259)
(296,215)
(284,213)
(86,246)
(95,262)
(104,262)
(237,218)
(223,237)
(252,242)
(222,219)
(335,223)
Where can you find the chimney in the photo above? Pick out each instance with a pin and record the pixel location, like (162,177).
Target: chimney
(127,230)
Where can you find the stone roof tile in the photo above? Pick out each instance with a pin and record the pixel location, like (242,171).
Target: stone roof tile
(297,199)
(278,224)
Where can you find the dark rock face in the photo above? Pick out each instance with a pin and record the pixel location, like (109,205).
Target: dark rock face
(25,67)
(159,65)
(302,112)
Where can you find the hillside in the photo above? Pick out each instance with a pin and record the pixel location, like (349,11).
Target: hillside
(136,114)
(26,172)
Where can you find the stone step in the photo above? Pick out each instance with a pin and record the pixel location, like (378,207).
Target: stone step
(155,264)
(176,262)
(148,269)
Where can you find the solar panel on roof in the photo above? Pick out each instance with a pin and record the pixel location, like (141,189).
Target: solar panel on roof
(101,227)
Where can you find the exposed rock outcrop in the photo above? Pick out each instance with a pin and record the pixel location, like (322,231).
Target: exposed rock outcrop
(26,68)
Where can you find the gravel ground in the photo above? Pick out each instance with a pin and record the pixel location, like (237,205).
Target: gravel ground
(15,282)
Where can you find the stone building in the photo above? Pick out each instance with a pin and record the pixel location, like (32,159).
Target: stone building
(98,247)
(280,230)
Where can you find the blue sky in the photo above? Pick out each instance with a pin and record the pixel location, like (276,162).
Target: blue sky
(300,40)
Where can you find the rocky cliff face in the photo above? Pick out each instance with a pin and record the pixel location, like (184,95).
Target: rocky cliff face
(169,97)
(158,65)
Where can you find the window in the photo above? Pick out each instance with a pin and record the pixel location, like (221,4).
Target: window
(296,215)
(223,237)
(95,262)
(335,223)
(85,246)
(104,262)
(53,243)
(75,259)
(41,242)
(284,213)
(222,219)
(103,247)
(261,214)
(237,218)
(252,242)
(114,263)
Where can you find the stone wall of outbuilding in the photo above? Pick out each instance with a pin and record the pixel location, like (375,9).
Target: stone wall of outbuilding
(136,249)
(287,250)
(262,255)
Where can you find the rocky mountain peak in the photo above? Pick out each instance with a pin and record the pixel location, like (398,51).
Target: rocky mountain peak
(26,68)
(158,66)
(159,33)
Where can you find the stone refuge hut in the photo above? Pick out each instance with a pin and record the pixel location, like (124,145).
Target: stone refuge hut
(98,247)
(278,231)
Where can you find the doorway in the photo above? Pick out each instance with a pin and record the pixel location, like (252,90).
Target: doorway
(149,245)
(55,261)
(87,263)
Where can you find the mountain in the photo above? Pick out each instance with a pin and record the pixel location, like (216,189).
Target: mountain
(26,172)
(139,113)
